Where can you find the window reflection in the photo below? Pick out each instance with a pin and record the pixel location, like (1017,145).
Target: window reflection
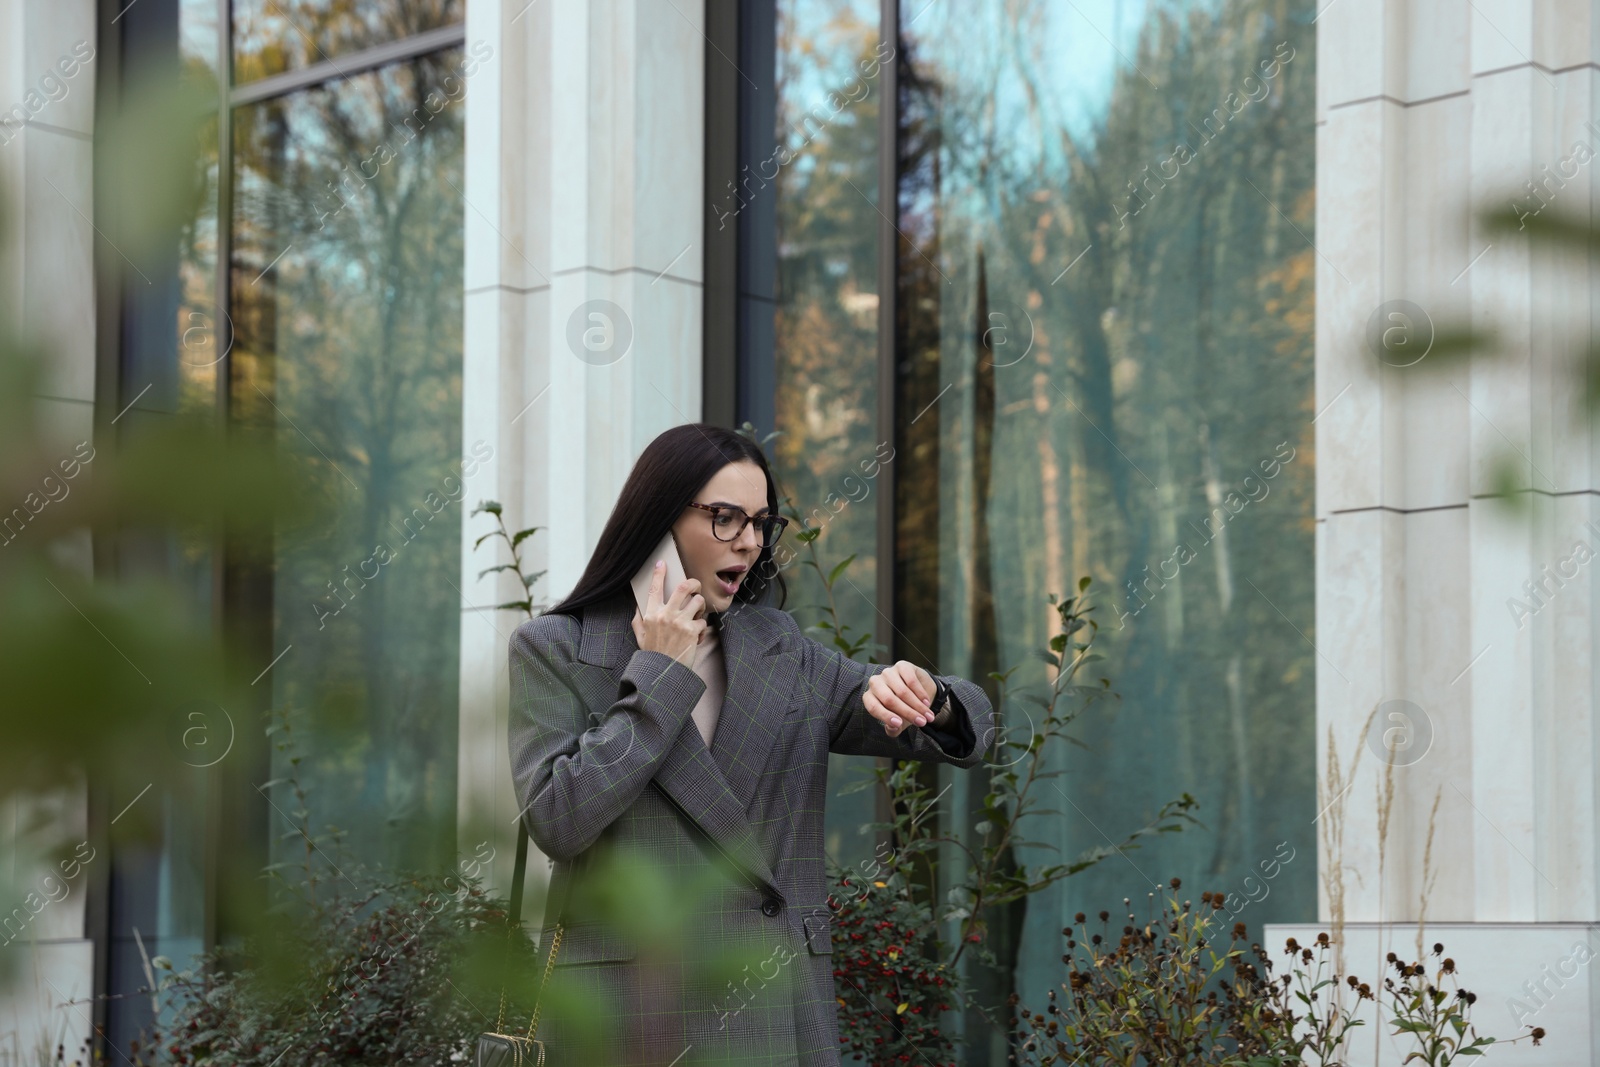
(347,303)
(1112,342)
(822,166)
(201,331)
(197,34)
(156,889)
(272,36)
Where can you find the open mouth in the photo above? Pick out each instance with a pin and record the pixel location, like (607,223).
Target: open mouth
(730,579)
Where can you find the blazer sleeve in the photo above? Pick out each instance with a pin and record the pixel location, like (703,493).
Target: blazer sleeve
(574,772)
(960,734)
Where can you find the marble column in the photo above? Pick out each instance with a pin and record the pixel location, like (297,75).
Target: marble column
(584,162)
(47,267)
(1461,631)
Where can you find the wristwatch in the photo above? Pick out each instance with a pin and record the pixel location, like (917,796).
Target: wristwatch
(941,705)
(950,728)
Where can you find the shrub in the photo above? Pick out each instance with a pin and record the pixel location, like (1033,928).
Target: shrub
(387,975)
(891,993)
(1163,993)
(347,965)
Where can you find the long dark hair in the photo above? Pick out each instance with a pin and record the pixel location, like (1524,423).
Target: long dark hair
(665,478)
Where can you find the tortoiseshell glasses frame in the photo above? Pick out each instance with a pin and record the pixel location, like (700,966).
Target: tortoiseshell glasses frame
(771,525)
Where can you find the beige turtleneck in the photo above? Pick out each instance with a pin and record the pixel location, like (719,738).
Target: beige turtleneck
(710,666)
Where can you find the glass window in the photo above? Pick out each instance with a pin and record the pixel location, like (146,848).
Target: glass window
(201,331)
(344,253)
(347,301)
(820,167)
(273,36)
(170,350)
(197,34)
(1104,355)
(156,888)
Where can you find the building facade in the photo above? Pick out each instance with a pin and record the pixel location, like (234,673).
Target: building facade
(1030,292)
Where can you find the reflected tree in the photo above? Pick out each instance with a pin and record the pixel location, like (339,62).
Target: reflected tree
(347,302)
(1112,306)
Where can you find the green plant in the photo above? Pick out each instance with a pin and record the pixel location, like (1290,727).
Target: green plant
(891,993)
(48,1053)
(988,880)
(1439,1019)
(103,676)
(348,965)
(379,975)
(1565,241)
(1165,994)
(828,629)
(991,877)
(1178,989)
(513,542)
(1327,1022)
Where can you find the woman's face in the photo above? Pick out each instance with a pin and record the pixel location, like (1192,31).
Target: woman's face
(704,556)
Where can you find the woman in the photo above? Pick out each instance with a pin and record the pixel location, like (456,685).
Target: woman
(672,763)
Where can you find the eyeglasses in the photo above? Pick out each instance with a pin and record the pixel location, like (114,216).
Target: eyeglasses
(728,523)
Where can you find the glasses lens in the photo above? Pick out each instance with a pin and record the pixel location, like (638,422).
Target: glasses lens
(727,523)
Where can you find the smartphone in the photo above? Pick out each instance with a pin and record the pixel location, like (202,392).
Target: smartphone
(667,549)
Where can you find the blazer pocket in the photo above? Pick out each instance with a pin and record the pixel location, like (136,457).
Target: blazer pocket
(819,934)
(592,942)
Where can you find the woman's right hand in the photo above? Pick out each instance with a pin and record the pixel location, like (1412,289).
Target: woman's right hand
(674,627)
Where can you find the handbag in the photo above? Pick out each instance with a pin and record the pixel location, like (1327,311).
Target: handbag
(498,1047)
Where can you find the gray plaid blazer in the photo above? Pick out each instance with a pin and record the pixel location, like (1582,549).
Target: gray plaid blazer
(607,764)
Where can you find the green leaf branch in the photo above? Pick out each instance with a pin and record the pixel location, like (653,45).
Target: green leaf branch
(513,543)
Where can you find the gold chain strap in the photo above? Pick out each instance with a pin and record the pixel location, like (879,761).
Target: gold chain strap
(533,1027)
(500,1016)
(555,946)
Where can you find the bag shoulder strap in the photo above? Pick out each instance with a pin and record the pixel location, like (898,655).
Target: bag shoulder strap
(519,872)
(518,879)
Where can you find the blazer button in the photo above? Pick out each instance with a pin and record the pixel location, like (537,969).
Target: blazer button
(770,907)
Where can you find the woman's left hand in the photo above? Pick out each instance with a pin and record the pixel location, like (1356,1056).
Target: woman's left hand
(898,695)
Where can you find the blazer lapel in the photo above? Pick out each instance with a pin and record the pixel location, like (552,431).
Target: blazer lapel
(713,788)
(756,700)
